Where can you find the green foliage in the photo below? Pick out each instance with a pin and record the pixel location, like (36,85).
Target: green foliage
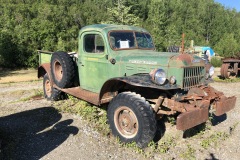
(216,62)
(29,25)
(227,46)
(120,14)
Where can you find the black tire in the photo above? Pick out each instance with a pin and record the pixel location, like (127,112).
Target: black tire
(173,49)
(131,118)
(62,69)
(51,93)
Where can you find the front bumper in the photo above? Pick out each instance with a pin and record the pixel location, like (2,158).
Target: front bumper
(195,106)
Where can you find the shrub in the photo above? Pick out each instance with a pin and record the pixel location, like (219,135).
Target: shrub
(216,62)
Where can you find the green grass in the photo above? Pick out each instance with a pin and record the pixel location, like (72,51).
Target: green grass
(189,153)
(214,139)
(93,114)
(165,144)
(230,80)
(37,94)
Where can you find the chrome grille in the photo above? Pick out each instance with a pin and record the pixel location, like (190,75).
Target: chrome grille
(192,77)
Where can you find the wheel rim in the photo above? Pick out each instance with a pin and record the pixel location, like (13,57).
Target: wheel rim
(58,70)
(227,71)
(126,122)
(48,88)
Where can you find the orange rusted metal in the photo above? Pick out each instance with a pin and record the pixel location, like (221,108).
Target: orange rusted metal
(185,57)
(194,107)
(44,68)
(166,112)
(58,70)
(81,93)
(158,103)
(174,105)
(224,70)
(183,36)
(193,118)
(225,105)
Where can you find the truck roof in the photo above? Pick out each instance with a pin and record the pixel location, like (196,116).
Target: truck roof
(109,27)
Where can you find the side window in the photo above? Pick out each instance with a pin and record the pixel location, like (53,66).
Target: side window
(93,43)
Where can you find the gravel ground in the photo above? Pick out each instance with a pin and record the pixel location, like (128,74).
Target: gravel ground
(34,129)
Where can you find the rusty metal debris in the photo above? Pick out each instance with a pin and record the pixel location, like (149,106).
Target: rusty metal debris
(194,107)
(230,67)
(225,105)
(192,118)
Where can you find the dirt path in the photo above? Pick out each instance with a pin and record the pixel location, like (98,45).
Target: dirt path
(34,129)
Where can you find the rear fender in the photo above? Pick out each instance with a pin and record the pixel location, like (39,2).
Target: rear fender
(43,69)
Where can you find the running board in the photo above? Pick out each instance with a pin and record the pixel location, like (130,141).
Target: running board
(81,93)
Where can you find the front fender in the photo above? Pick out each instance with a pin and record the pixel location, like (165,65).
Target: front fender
(140,80)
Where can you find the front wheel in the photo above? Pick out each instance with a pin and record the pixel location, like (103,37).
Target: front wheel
(131,118)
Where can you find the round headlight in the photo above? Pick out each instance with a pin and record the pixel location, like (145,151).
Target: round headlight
(211,71)
(160,76)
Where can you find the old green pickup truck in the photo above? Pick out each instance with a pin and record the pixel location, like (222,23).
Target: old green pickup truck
(118,65)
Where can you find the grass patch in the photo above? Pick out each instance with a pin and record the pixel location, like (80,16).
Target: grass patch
(230,80)
(38,94)
(214,139)
(93,114)
(189,154)
(11,76)
(165,144)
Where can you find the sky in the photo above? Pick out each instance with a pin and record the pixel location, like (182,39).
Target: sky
(230,3)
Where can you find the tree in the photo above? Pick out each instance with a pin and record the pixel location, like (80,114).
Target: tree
(227,46)
(120,14)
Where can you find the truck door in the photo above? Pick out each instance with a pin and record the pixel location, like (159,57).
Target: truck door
(92,61)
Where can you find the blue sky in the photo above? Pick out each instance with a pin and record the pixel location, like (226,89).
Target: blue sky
(230,3)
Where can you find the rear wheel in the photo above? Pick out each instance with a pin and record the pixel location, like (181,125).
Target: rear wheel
(51,93)
(131,118)
(227,70)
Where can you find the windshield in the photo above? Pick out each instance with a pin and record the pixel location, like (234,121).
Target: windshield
(130,40)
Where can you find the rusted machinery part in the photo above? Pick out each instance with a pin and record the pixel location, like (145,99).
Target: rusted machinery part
(235,68)
(231,60)
(194,107)
(224,70)
(229,70)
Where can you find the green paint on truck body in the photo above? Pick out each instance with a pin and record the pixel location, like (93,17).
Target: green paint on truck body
(95,68)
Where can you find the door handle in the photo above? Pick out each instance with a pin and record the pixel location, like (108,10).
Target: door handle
(81,63)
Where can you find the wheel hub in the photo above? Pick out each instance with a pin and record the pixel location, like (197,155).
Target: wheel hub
(58,70)
(48,88)
(126,122)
